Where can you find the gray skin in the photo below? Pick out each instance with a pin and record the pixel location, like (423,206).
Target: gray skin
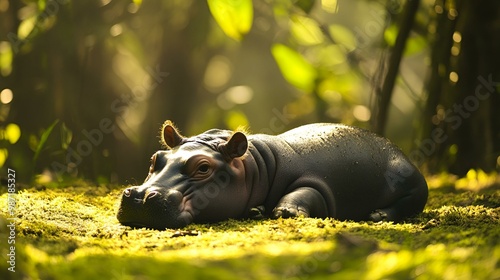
(317,170)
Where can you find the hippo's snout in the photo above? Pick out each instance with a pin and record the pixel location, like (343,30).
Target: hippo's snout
(174,197)
(136,196)
(152,207)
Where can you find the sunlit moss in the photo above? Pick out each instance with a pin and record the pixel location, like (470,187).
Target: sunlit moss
(65,231)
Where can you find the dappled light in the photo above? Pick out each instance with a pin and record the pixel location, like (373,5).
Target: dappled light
(86,85)
(239,94)
(362,113)
(453,77)
(218,73)
(6,96)
(115,30)
(234,96)
(75,228)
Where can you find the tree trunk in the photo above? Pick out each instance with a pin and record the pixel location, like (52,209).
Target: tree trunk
(407,19)
(464,59)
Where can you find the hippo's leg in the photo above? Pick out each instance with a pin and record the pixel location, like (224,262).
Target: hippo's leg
(257,213)
(405,207)
(401,209)
(304,201)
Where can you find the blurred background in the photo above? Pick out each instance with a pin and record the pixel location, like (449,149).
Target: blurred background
(86,85)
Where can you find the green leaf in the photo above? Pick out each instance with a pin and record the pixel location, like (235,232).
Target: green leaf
(233,16)
(4,154)
(330,6)
(390,35)
(43,139)
(26,27)
(414,44)
(305,5)
(329,57)
(343,36)
(41,5)
(66,136)
(306,30)
(343,88)
(295,68)
(12,133)
(6,57)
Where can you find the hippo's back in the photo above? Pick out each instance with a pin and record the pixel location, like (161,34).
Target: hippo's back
(356,165)
(345,143)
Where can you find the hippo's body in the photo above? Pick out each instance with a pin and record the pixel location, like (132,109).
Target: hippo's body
(316,170)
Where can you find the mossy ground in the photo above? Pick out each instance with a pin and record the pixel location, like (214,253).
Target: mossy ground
(72,233)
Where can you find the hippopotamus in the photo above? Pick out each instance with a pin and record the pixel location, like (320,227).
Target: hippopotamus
(316,170)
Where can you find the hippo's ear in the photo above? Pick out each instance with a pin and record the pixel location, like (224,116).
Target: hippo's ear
(236,146)
(170,137)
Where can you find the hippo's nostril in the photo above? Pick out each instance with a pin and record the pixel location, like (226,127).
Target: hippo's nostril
(151,194)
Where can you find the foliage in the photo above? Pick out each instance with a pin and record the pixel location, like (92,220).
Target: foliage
(10,135)
(462,89)
(43,140)
(121,61)
(296,70)
(234,17)
(63,232)
(111,72)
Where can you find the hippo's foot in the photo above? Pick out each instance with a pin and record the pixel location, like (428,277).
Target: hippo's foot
(289,211)
(304,201)
(257,213)
(405,207)
(378,216)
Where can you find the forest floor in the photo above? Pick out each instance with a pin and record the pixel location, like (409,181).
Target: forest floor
(71,232)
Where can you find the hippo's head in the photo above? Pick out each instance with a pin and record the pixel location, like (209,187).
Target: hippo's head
(196,179)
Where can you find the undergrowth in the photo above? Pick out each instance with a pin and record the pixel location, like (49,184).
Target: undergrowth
(72,232)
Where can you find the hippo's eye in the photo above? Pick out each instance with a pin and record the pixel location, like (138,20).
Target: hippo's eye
(198,167)
(204,168)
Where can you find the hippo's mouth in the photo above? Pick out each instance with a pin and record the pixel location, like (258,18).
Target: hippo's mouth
(133,224)
(151,208)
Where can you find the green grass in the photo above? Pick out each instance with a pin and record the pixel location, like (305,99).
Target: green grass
(72,233)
